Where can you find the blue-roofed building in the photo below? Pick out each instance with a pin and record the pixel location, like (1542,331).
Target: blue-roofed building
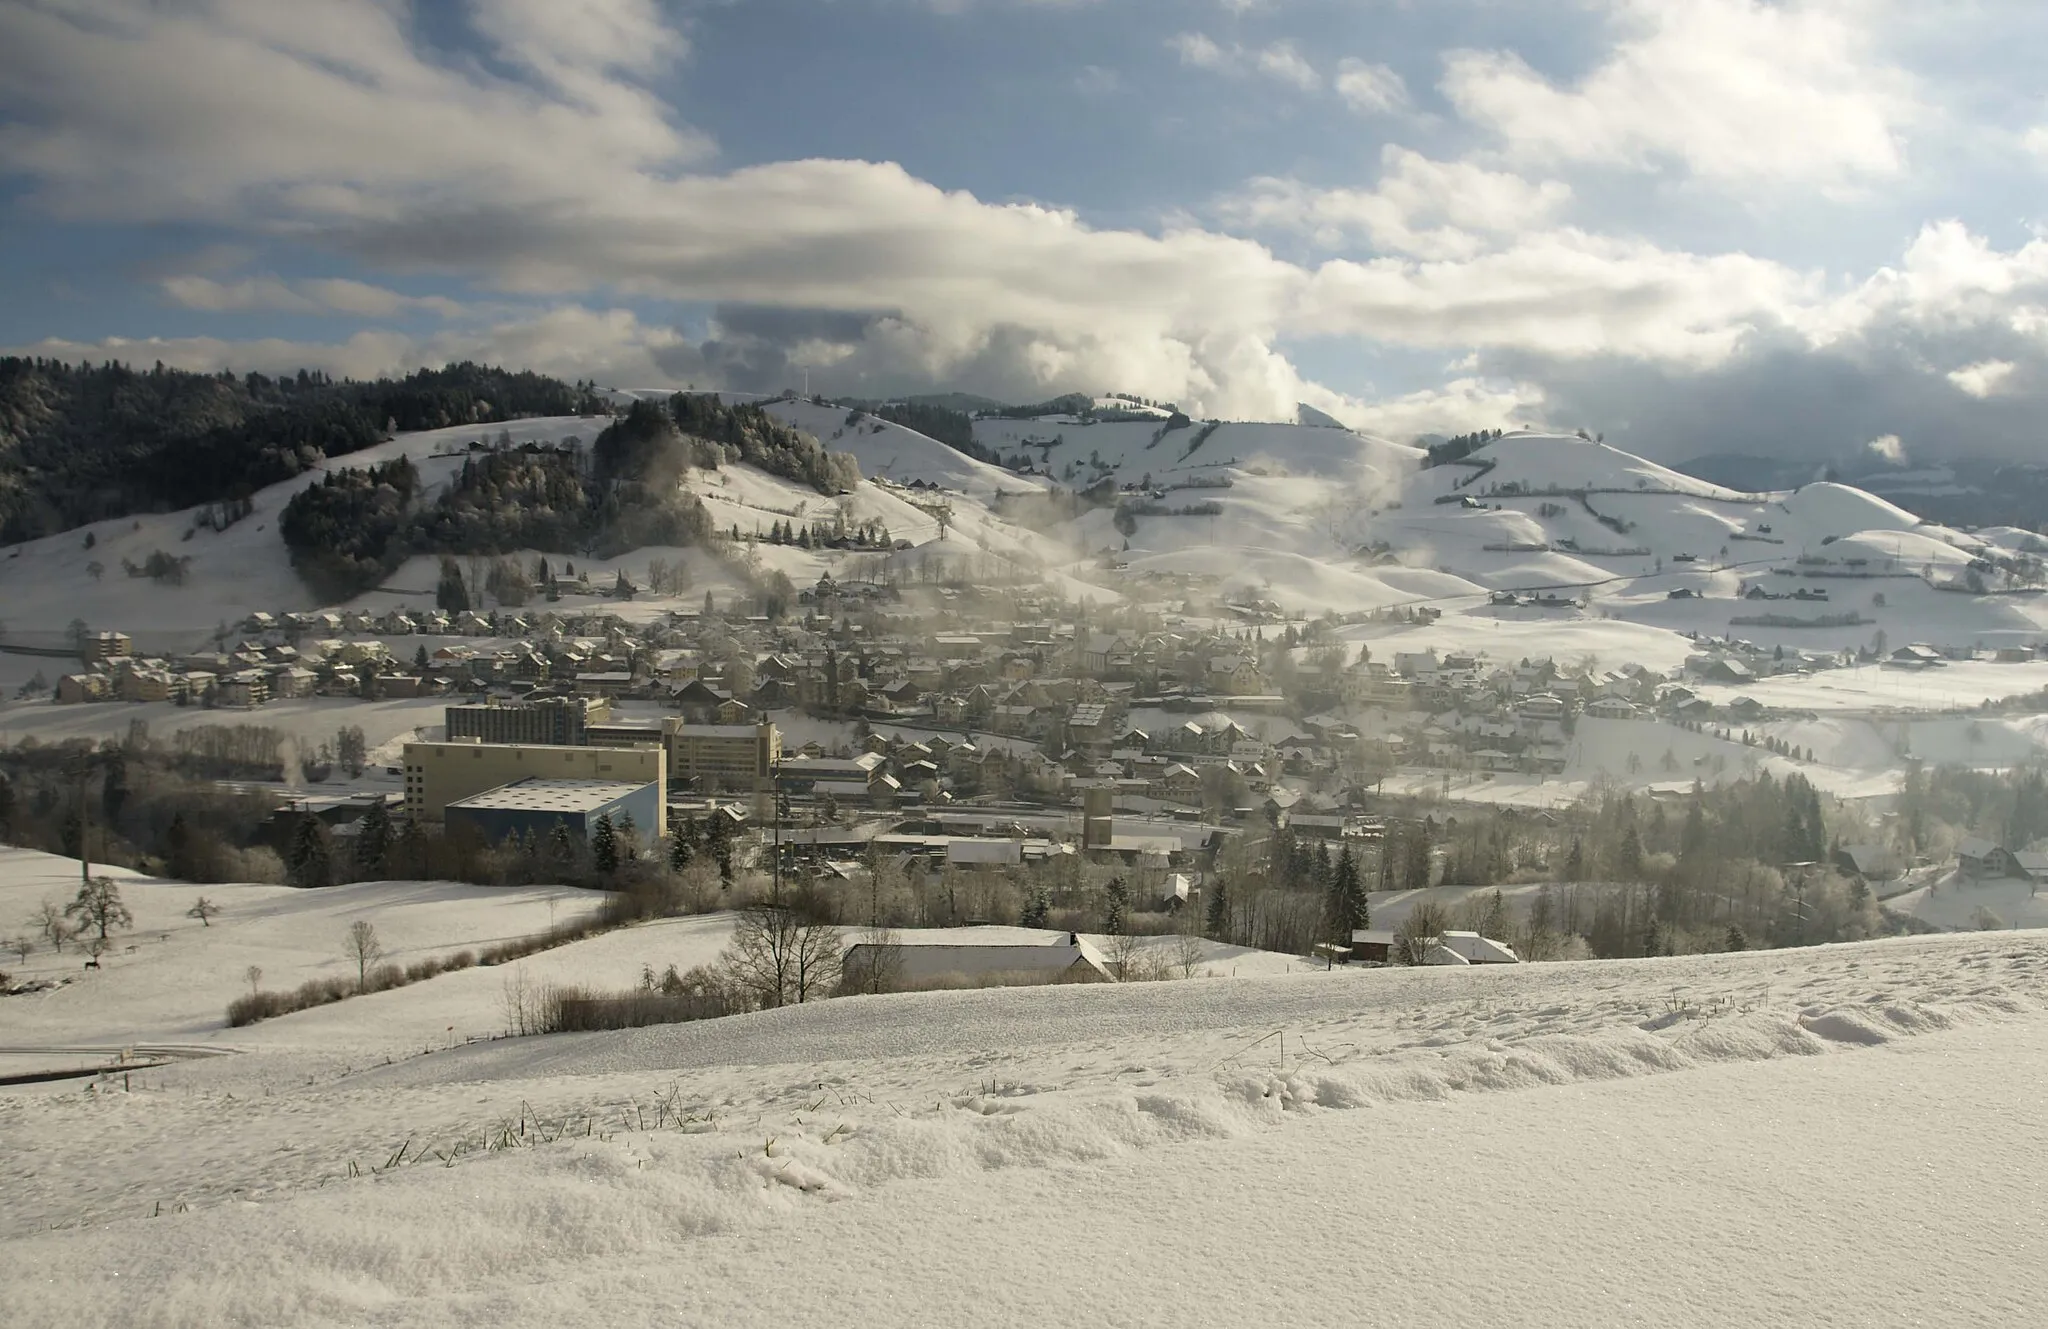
(535,806)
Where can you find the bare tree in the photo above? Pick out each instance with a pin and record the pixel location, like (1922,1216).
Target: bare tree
(876,966)
(363,947)
(21,943)
(254,973)
(50,921)
(1188,950)
(1122,951)
(203,909)
(98,907)
(1420,933)
(782,955)
(523,1001)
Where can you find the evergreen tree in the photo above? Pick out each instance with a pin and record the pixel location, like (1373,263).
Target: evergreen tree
(1116,899)
(1219,910)
(604,846)
(718,842)
(451,594)
(560,855)
(1347,903)
(1628,858)
(682,843)
(1493,919)
(114,786)
(373,841)
(1736,940)
(178,848)
(1575,862)
(308,863)
(1036,909)
(629,838)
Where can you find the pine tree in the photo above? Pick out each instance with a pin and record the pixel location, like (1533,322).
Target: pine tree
(682,843)
(178,848)
(1116,898)
(1736,940)
(308,863)
(604,846)
(718,841)
(373,841)
(451,593)
(1036,909)
(1348,907)
(1575,862)
(560,857)
(1219,910)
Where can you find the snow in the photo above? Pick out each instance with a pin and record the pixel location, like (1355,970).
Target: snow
(969,1157)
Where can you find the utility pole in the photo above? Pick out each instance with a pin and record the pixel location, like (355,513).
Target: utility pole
(84,826)
(781,805)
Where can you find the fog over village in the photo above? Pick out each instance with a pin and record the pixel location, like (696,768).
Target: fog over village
(905,663)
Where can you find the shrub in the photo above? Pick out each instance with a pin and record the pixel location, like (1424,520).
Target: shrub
(572,1009)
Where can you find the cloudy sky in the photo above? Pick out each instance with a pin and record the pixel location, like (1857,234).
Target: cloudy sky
(1695,225)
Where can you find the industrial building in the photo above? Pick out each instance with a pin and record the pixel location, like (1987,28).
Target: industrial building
(535,807)
(734,757)
(437,774)
(559,720)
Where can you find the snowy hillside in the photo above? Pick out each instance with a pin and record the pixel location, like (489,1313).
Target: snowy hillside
(948,1157)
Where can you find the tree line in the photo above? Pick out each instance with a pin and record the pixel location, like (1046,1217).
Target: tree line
(82,443)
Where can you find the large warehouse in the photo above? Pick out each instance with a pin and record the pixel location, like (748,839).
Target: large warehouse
(534,807)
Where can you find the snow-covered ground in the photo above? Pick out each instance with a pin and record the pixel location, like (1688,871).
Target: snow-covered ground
(1708,1141)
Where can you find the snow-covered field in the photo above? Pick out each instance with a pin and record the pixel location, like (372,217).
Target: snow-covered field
(1841,1135)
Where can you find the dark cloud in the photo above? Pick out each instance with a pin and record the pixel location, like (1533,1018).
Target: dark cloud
(1779,397)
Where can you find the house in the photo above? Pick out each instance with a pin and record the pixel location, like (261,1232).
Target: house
(1371,945)
(1869,861)
(1981,859)
(74,688)
(1610,708)
(1062,958)
(1917,656)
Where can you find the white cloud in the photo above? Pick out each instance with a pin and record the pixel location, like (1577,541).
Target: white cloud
(217,112)
(1736,90)
(1427,208)
(2035,140)
(1198,50)
(316,295)
(326,127)
(1457,406)
(1888,447)
(1983,379)
(612,346)
(1370,88)
(1561,294)
(1280,61)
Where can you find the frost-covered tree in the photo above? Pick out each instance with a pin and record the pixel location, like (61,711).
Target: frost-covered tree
(98,908)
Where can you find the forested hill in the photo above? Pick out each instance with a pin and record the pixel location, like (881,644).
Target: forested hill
(82,443)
